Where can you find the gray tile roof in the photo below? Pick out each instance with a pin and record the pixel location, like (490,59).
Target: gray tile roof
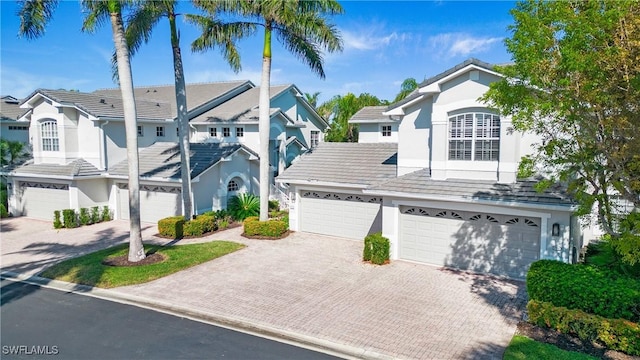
(10,108)
(162,159)
(242,108)
(371,114)
(197,94)
(100,105)
(76,168)
(420,183)
(347,163)
(442,75)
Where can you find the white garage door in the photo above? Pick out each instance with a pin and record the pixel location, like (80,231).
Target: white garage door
(40,200)
(156,202)
(345,215)
(488,243)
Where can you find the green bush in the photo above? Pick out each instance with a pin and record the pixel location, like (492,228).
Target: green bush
(3,211)
(270,228)
(57,224)
(222,224)
(69,218)
(616,334)
(106,214)
(376,249)
(95,215)
(274,205)
(602,254)
(84,217)
(172,227)
(200,225)
(244,205)
(587,288)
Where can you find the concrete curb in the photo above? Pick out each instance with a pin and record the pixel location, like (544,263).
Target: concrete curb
(261,330)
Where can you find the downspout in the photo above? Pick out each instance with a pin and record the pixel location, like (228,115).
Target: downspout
(103,147)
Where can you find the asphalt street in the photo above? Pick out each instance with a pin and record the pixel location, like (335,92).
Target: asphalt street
(40,323)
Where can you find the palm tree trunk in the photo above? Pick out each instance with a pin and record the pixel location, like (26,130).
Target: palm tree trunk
(183,119)
(264,124)
(136,249)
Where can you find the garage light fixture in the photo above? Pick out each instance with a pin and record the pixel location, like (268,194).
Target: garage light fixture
(555,229)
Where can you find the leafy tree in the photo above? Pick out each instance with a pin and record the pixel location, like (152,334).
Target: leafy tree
(12,152)
(312,98)
(34,16)
(340,109)
(303,29)
(408,85)
(575,82)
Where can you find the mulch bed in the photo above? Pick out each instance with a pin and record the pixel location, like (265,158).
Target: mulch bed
(123,260)
(569,343)
(261,237)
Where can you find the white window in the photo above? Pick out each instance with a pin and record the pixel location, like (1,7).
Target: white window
(233,186)
(213,132)
(226,132)
(49,134)
(474,136)
(386,130)
(315,138)
(239,132)
(140,132)
(160,131)
(11,127)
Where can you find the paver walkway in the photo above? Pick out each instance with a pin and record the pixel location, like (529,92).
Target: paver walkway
(317,286)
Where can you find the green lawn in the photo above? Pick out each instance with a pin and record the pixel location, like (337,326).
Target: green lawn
(89,270)
(522,347)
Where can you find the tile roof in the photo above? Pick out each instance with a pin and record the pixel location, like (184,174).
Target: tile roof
(442,75)
(75,168)
(197,94)
(10,108)
(162,159)
(242,108)
(100,105)
(349,163)
(371,114)
(420,183)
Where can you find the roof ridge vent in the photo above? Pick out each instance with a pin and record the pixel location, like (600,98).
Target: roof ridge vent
(103,101)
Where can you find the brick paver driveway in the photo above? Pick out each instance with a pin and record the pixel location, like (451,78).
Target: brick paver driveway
(317,286)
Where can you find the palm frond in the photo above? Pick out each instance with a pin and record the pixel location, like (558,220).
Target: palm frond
(302,48)
(34,17)
(97,13)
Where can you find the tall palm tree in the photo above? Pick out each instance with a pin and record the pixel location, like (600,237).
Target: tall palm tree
(312,99)
(302,28)
(34,16)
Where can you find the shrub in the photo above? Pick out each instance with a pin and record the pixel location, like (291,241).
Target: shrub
(587,288)
(376,249)
(274,205)
(200,225)
(3,211)
(57,224)
(172,227)
(84,217)
(69,218)
(95,215)
(270,228)
(223,224)
(616,334)
(106,214)
(244,205)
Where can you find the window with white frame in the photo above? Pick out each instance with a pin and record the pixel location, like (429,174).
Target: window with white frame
(140,132)
(315,138)
(386,130)
(226,132)
(213,132)
(474,136)
(49,135)
(160,131)
(239,132)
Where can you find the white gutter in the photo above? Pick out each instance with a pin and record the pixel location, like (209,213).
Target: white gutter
(322,183)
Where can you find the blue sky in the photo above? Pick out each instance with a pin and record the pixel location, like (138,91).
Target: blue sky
(385,42)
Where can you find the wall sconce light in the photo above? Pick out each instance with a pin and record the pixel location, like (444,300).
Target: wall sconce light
(555,229)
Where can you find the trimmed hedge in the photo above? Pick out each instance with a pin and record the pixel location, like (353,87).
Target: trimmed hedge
(376,249)
(586,288)
(271,228)
(171,227)
(3,211)
(200,225)
(616,334)
(57,223)
(69,218)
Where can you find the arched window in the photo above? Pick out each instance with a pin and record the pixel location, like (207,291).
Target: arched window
(232,186)
(474,136)
(49,136)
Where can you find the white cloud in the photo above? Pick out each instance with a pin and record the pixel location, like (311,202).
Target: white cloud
(461,44)
(19,84)
(370,40)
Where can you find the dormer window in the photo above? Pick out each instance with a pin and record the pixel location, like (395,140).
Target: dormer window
(49,136)
(386,130)
(315,138)
(474,136)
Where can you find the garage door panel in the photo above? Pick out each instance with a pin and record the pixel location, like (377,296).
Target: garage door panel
(156,202)
(40,200)
(503,245)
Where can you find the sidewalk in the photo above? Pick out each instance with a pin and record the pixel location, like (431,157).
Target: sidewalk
(315,291)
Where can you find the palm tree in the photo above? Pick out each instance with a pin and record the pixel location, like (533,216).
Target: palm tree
(340,109)
(34,16)
(408,85)
(302,28)
(312,99)
(12,152)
